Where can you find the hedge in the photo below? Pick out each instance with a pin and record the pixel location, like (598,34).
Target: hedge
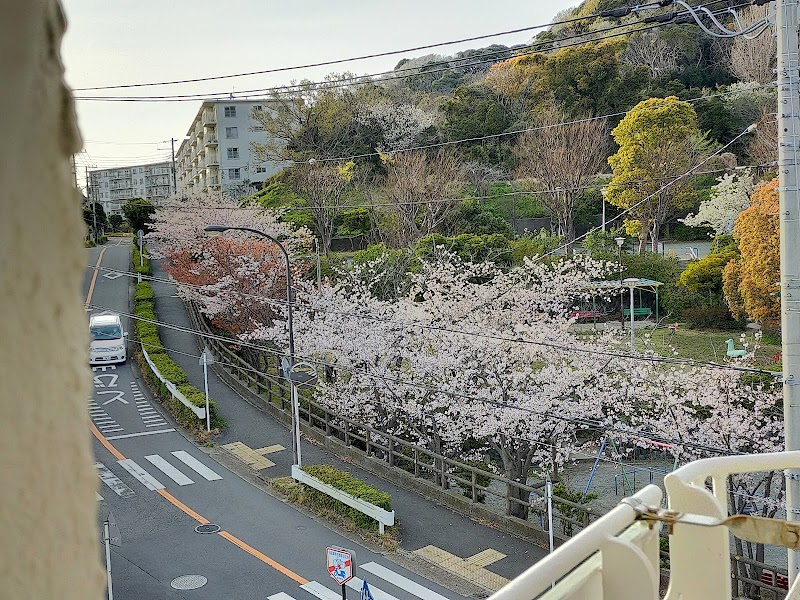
(345,482)
(144,269)
(147,334)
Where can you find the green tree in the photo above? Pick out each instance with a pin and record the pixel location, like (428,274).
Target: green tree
(99,216)
(705,275)
(474,111)
(137,212)
(116,221)
(658,140)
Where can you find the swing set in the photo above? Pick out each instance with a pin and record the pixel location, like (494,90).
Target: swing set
(628,474)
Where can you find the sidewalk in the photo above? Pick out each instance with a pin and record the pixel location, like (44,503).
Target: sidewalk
(422,523)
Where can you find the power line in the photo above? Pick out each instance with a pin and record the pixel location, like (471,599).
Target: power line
(366,79)
(341,60)
(585,423)
(416,324)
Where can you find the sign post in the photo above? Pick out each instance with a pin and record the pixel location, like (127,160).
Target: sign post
(111,537)
(341,566)
(207,359)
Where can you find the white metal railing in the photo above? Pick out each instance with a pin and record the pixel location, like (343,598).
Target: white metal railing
(173,389)
(617,556)
(382,516)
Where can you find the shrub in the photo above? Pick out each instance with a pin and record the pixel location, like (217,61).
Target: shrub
(144,291)
(355,221)
(169,369)
(345,482)
(710,317)
(724,242)
(468,247)
(685,233)
(144,268)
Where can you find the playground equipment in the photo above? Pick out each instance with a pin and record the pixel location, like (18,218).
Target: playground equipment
(733,352)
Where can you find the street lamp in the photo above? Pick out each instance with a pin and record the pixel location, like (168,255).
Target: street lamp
(296,456)
(631,283)
(620,242)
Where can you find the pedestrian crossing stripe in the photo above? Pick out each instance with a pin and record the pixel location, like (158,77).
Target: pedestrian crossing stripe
(412,587)
(317,589)
(191,462)
(147,480)
(150,482)
(169,470)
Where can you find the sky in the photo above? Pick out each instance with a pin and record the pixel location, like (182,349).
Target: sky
(124,42)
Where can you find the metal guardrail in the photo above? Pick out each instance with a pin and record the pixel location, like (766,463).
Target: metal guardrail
(176,393)
(383,517)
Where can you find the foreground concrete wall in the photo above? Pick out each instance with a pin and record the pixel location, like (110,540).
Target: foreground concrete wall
(50,543)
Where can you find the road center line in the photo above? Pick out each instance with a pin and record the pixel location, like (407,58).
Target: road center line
(94,277)
(200,518)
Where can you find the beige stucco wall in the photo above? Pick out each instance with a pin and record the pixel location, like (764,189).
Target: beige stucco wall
(50,545)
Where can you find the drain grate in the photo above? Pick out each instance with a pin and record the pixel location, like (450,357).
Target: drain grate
(188,582)
(207,528)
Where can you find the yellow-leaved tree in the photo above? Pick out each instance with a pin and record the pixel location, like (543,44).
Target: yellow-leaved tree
(750,282)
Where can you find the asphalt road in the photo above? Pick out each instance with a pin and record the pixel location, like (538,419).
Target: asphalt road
(160,486)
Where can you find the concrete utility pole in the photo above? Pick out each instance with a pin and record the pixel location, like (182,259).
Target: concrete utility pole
(174,172)
(788,157)
(90,196)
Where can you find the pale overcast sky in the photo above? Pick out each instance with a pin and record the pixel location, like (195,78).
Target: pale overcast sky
(122,42)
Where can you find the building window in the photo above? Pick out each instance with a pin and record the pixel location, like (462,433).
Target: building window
(232,133)
(234,174)
(230,111)
(258,107)
(233,153)
(261,169)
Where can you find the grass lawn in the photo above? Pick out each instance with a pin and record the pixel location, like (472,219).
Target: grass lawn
(704,344)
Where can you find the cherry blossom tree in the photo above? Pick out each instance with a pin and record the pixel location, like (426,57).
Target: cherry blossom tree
(400,125)
(729,197)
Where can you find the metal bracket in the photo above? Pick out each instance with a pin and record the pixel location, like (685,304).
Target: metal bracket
(760,530)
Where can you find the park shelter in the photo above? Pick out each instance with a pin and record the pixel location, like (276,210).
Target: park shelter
(615,286)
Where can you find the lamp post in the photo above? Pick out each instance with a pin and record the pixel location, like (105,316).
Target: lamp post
(620,242)
(631,283)
(296,456)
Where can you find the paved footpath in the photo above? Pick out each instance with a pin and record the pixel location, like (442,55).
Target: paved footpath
(480,554)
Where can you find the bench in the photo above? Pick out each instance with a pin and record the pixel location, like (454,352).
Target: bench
(585,314)
(637,312)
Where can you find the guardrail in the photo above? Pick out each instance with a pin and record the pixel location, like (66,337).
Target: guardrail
(382,516)
(176,393)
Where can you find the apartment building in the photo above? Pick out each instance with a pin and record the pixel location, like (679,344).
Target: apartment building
(216,152)
(114,187)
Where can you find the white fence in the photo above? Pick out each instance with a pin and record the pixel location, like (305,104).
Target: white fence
(383,517)
(200,411)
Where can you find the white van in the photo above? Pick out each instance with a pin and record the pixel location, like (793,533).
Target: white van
(108,340)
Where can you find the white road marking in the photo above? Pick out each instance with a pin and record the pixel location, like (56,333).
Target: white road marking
(280,596)
(147,480)
(320,591)
(119,395)
(191,462)
(130,435)
(356,584)
(156,424)
(169,470)
(99,497)
(112,481)
(112,429)
(404,583)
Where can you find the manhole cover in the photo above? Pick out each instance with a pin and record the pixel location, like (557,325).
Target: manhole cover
(188,582)
(207,528)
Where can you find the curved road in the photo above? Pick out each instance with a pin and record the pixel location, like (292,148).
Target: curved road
(160,486)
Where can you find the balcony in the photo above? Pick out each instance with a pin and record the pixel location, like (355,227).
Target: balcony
(212,159)
(209,119)
(617,556)
(211,141)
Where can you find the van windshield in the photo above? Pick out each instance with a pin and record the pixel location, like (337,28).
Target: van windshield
(105,332)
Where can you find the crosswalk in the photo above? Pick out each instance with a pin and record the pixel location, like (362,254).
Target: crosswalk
(179,467)
(372,571)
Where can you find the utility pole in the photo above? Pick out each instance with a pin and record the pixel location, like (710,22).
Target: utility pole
(788,157)
(74,173)
(90,195)
(174,172)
